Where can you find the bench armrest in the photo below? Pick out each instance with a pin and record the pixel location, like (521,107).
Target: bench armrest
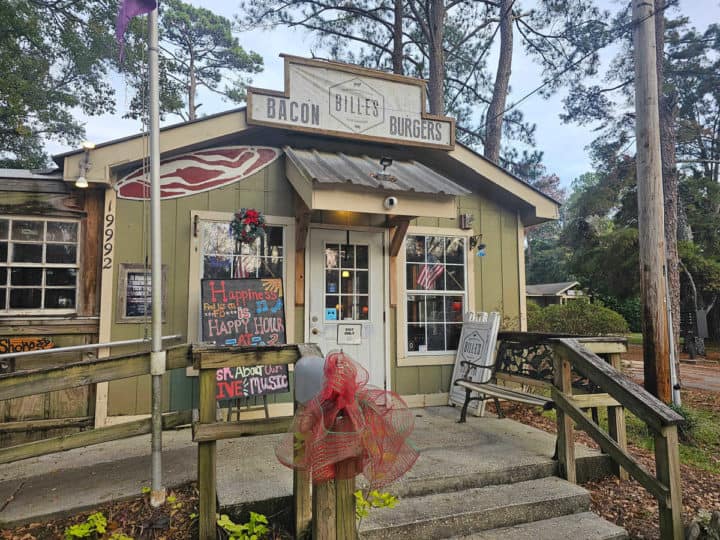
(479,366)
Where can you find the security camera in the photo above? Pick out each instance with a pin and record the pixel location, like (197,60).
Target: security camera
(390,202)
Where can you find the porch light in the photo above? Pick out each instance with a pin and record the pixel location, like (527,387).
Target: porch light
(383,175)
(84,165)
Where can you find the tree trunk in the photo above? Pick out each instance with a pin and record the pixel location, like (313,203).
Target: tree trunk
(668,112)
(192,89)
(397,56)
(495,112)
(436,84)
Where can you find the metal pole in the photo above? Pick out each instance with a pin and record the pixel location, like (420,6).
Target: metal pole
(674,375)
(157,356)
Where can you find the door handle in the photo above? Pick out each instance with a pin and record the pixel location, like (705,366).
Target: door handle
(314,331)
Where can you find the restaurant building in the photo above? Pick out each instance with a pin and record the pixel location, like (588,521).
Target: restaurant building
(383,228)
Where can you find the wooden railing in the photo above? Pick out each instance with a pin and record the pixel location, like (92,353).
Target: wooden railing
(39,381)
(207,359)
(571,354)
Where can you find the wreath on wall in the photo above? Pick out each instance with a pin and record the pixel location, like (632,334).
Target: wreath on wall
(247,225)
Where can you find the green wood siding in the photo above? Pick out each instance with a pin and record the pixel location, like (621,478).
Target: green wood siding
(495,280)
(268,189)
(496,286)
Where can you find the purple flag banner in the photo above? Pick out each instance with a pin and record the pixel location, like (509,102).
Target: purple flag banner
(128,10)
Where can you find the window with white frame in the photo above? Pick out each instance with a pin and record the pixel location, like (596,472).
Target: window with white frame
(224,258)
(38,265)
(435,284)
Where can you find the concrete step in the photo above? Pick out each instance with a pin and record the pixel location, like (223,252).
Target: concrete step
(426,481)
(445,515)
(583,526)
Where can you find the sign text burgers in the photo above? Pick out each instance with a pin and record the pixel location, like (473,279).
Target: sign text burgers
(353,102)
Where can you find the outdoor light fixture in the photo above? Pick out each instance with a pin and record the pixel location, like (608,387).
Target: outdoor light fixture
(383,176)
(84,165)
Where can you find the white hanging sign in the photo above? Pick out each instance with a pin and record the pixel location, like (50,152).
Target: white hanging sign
(353,102)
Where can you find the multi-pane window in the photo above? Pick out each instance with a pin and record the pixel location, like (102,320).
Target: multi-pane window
(38,265)
(346,282)
(435,290)
(224,258)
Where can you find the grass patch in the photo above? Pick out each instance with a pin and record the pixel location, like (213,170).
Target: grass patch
(703,452)
(635,338)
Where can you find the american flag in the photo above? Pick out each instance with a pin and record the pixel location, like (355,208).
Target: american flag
(429,274)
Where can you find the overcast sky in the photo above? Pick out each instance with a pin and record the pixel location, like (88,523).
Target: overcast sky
(564,145)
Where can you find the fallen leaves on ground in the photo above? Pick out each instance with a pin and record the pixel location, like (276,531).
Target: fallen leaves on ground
(135,518)
(627,503)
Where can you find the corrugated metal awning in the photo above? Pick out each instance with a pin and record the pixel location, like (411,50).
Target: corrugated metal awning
(338,168)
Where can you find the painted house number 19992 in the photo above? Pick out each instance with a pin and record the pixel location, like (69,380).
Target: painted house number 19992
(108,234)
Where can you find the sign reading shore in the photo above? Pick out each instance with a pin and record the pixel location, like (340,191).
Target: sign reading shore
(353,102)
(245,312)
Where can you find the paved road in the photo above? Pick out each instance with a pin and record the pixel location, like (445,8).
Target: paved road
(700,377)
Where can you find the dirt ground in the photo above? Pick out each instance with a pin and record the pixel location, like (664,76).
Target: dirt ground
(627,503)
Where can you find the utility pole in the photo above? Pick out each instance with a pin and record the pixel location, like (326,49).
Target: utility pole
(651,222)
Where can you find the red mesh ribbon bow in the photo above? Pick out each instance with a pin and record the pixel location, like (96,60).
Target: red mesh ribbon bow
(349,421)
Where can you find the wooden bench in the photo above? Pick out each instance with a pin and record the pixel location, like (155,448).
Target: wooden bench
(496,393)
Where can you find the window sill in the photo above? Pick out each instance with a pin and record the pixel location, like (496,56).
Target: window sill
(426,359)
(47,324)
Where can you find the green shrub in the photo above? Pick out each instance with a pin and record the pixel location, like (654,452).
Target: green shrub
(579,318)
(534,315)
(629,308)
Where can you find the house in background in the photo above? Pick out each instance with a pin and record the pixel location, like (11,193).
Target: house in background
(545,294)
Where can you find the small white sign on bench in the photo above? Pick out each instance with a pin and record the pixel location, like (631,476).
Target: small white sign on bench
(477,345)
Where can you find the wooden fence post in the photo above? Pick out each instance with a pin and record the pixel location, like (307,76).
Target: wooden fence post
(345,501)
(302,500)
(565,436)
(667,464)
(616,420)
(323,511)
(333,507)
(207,481)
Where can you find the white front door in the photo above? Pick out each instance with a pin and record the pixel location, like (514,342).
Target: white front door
(347,301)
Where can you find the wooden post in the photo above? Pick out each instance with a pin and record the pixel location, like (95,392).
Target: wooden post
(345,502)
(651,225)
(667,463)
(302,500)
(207,481)
(565,435)
(333,508)
(616,421)
(323,511)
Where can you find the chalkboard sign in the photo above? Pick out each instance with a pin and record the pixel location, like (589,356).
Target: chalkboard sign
(245,312)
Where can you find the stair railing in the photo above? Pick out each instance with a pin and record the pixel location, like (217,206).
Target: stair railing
(661,420)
